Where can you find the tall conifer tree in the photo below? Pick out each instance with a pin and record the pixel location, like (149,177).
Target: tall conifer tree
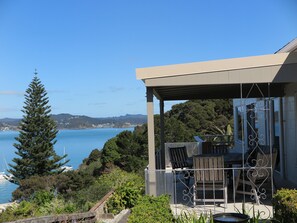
(35,147)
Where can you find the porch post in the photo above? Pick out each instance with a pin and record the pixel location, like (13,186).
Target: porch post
(162,141)
(151,142)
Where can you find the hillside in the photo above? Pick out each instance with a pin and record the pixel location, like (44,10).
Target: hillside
(68,121)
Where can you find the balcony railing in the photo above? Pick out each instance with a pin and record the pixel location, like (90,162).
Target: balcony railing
(250,188)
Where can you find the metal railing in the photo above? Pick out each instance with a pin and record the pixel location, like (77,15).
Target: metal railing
(181,186)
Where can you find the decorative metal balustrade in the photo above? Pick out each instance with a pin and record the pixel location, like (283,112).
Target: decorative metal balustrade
(181,185)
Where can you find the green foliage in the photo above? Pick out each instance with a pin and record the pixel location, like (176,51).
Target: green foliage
(151,209)
(93,169)
(87,196)
(94,156)
(187,217)
(25,209)
(35,148)
(285,205)
(42,203)
(42,197)
(125,196)
(69,183)
(28,187)
(128,151)
(200,117)
(56,206)
(110,152)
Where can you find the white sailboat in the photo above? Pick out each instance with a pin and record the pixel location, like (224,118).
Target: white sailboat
(2,176)
(66,168)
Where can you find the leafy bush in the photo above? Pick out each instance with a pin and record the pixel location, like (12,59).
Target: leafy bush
(125,196)
(28,187)
(41,204)
(88,196)
(151,209)
(285,205)
(25,209)
(42,197)
(56,206)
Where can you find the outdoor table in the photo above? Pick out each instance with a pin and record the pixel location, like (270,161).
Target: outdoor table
(231,159)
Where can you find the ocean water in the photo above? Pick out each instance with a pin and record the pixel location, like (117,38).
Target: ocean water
(77,144)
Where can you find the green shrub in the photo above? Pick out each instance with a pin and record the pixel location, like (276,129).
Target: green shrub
(56,206)
(87,197)
(188,217)
(285,205)
(29,186)
(125,197)
(24,209)
(42,197)
(151,209)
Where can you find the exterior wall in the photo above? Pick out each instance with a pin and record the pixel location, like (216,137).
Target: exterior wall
(290,142)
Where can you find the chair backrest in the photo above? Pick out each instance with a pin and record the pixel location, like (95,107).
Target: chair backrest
(178,157)
(208,169)
(220,148)
(207,148)
(210,148)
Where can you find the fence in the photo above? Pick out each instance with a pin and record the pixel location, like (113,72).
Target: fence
(253,192)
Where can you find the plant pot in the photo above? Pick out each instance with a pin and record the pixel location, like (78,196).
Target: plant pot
(230,218)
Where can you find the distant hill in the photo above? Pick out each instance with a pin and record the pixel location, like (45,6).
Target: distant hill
(68,121)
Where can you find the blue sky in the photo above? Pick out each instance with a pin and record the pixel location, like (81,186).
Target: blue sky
(86,52)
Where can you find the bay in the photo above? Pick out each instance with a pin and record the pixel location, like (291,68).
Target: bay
(77,144)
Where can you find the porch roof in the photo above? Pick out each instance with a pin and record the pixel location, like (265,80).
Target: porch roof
(222,78)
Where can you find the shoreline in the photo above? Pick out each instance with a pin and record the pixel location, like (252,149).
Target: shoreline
(124,127)
(6,205)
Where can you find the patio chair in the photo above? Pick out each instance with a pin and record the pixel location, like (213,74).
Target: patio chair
(179,160)
(253,178)
(178,157)
(210,148)
(209,176)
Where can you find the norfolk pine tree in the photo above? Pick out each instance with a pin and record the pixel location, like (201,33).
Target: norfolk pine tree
(36,139)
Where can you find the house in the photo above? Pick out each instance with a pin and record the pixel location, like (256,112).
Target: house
(263,89)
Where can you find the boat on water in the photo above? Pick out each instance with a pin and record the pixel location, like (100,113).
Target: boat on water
(2,176)
(66,168)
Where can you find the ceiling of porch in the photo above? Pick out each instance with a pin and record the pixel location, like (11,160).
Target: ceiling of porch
(218,91)
(250,77)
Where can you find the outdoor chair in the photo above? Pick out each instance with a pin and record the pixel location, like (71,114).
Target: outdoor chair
(251,181)
(209,176)
(179,160)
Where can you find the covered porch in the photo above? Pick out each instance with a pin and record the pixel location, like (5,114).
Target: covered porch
(249,80)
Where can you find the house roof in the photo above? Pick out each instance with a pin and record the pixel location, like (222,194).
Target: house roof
(222,78)
(289,47)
